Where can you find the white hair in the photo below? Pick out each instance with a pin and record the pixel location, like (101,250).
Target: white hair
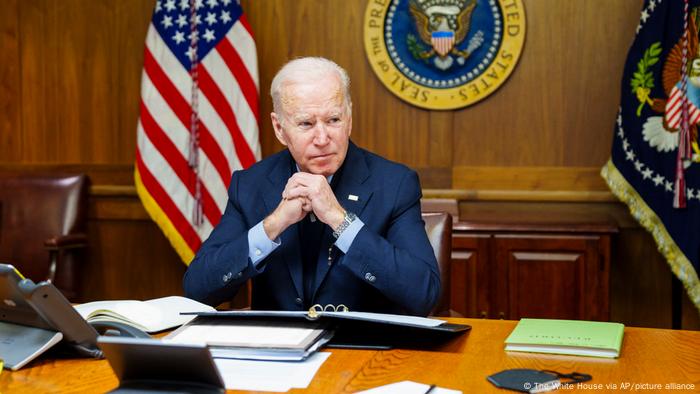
(305,69)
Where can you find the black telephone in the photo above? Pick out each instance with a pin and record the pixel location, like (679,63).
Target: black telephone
(42,305)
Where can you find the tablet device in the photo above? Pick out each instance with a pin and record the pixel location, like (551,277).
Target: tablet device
(151,365)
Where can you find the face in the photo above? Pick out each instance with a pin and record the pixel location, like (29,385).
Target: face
(315,124)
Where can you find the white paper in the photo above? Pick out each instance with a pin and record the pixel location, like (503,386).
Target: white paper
(278,376)
(151,316)
(244,335)
(408,387)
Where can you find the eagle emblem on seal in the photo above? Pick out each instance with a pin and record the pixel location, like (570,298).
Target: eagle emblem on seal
(442,25)
(661,132)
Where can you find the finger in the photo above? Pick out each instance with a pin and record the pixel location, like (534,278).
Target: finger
(296,192)
(308,179)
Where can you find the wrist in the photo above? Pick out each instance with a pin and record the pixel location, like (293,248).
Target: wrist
(348,218)
(272,226)
(337,219)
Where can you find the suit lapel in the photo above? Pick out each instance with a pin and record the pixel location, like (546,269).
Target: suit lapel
(272,195)
(353,193)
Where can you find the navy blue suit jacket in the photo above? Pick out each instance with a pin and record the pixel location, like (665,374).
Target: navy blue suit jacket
(390,266)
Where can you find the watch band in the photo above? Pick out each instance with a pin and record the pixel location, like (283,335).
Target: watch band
(349,218)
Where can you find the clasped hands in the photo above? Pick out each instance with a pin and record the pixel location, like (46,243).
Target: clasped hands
(303,194)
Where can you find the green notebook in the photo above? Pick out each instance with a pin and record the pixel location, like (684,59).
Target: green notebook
(576,337)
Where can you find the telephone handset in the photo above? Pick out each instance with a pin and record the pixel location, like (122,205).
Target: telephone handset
(116,329)
(42,305)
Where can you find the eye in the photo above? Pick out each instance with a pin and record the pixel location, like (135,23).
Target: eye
(334,120)
(305,124)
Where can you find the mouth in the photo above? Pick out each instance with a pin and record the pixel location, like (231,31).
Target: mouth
(322,157)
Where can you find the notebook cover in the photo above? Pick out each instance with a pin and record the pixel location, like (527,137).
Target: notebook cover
(567,335)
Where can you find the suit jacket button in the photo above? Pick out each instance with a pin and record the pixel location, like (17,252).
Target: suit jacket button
(368,276)
(298,301)
(225,278)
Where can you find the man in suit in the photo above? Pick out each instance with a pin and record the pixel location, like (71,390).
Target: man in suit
(323,221)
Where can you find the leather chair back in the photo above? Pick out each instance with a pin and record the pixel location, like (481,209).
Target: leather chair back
(438,226)
(37,210)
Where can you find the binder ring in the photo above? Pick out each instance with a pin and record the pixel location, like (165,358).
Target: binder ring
(316,310)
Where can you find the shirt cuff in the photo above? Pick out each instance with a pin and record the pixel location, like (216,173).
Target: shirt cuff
(259,245)
(348,235)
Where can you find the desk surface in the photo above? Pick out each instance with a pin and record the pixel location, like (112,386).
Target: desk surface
(649,357)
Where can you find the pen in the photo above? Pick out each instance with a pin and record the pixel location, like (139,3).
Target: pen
(430,389)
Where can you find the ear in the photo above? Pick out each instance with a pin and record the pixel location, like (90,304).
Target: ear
(277,125)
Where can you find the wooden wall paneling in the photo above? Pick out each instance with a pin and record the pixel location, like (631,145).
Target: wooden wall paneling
(130,259)
(132,20)
(560,101)
(592,75)
(80,80)
(10,136)
(35,61)
(84,80)
(640,281)
(690,317)
(528,178)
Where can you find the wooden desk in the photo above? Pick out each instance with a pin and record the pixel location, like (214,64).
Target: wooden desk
(649,356)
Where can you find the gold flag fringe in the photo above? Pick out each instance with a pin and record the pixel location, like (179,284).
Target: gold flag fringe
(680,265)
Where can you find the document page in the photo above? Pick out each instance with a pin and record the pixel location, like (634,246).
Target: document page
(278,376)
(246,334)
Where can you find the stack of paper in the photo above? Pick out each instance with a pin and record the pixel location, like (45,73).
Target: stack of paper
(254,340)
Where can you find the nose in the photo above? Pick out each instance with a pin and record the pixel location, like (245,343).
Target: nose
(321,134)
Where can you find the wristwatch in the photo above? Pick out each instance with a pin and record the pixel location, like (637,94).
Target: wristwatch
(349,218)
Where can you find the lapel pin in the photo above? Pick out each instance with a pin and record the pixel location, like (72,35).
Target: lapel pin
(352,197)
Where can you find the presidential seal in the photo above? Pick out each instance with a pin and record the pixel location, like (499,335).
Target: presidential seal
(443,54)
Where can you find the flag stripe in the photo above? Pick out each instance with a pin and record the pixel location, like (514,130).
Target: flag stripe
(183,83)
(178,135)
(245,81)
(247,122)
(159,195)
(183,111)
(241,37)
(171,184)
(213,93)
(177,162)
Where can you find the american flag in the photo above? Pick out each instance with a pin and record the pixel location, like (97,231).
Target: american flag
(199,115)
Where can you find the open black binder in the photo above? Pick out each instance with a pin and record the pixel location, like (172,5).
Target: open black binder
(359,329)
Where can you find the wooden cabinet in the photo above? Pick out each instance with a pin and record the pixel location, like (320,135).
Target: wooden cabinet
(508,271)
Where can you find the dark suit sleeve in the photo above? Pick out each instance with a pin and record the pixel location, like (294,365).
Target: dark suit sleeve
(401,265)
(222,264)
